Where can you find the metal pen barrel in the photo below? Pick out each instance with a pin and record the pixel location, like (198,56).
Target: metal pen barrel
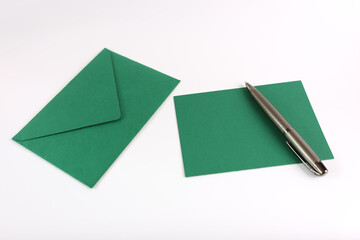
(296,143)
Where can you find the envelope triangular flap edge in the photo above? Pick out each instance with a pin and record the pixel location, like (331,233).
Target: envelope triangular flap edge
(90,98)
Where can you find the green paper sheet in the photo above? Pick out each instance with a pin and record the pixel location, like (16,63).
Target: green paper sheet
(86,126)
(227,130)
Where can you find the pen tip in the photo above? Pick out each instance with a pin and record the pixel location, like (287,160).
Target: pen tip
(247,85)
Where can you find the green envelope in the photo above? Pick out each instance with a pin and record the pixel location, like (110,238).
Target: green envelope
(86,126)
(227,130)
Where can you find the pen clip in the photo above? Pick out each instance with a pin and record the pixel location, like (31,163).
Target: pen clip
(299,156)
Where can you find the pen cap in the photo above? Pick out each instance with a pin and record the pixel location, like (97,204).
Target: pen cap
(305,152)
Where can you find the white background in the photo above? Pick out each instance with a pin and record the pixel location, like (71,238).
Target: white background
(208,45)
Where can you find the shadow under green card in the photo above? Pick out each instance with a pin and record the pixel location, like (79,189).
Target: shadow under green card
(227,130)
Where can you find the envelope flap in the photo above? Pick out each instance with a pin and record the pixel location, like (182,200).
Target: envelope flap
(88,99)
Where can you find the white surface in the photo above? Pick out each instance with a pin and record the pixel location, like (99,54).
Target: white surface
(209,45)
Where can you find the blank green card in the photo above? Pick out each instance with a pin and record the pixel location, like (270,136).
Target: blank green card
(226,130)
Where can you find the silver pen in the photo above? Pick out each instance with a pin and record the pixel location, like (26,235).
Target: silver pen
(294,140)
